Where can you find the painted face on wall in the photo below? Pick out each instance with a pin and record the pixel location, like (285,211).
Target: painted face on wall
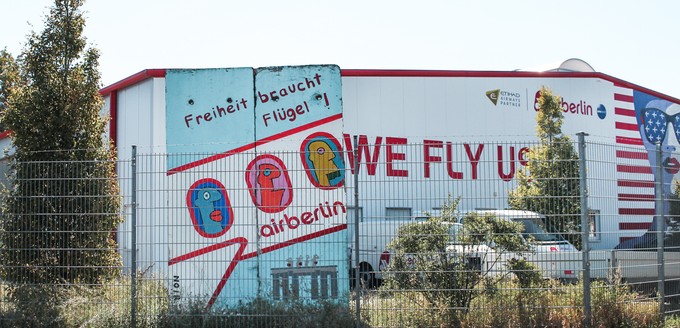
(209,208)
(269,184)
(659,123)
(321,156)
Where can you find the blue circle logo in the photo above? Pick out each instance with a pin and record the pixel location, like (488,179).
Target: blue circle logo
(601,112)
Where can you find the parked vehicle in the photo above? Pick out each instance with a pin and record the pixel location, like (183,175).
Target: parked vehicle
(554,255)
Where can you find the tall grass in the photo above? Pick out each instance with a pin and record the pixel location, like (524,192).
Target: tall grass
(503,304)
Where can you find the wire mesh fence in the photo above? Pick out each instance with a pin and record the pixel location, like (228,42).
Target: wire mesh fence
(382,234)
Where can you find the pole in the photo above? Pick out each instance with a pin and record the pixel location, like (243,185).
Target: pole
(133,241)
(660,227)
(584,228)
(357,285)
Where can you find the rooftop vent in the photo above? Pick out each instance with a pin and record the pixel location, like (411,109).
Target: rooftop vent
(573,65)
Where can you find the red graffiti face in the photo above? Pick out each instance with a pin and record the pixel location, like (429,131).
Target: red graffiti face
(269,184)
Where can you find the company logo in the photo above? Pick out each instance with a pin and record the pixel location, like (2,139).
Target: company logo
(504,98)
(581,107)
(493,95)
(601,112)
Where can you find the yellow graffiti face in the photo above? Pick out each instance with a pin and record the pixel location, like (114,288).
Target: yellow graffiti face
(321,156)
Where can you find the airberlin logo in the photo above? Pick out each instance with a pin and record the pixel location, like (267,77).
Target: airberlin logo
(504,98)
(581,107)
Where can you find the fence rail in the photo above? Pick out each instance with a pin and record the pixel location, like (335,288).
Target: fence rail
(380,235)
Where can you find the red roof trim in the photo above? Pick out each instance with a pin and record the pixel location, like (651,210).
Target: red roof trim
(515,74)
(132,80)
(151,73)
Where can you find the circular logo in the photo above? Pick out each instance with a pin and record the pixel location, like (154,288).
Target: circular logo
(601,112)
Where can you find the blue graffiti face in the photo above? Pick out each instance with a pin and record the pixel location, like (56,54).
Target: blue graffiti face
(209,207)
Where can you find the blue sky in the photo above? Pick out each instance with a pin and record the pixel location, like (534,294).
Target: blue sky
(631,40)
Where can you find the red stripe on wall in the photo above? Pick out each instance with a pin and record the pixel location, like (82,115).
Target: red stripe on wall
(629,141)
(633,169)
(113,117)
(624,112)
(631,154)
(626,126)
(621,97)
(636,211)
(622,239)
(254,144)
(295,241)
(635,183)
(636,197)
(634,225)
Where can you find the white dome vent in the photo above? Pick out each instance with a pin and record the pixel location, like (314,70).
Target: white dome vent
(574,65)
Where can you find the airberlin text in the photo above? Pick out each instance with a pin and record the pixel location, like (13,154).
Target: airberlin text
(440,159)
(291,222)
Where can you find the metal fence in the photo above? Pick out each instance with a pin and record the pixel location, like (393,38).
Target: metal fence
(382,234)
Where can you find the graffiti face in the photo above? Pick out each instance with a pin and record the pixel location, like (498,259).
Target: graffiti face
(269,184)
(659,124)
(321,156)
(209,208)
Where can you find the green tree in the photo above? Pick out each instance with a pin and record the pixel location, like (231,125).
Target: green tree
(549,184)
(62,204)
(9,78)
(447,264)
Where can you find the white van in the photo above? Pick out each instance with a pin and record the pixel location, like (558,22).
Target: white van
(373,238)
(555,256)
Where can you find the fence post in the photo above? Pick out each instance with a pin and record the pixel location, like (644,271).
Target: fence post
(584,228)
(133,240)
(357,285)
(660,220)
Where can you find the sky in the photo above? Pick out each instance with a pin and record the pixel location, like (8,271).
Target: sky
(631,40)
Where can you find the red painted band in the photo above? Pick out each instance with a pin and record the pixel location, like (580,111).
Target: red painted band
(254,144)
(631,154)
(636,211)
(635,183)
(634,225)
(633,169)
(624,112)
(625,98)
(636,198)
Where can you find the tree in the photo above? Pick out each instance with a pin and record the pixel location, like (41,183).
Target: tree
(447,263)
(549,184)
(62,204)
(9,78)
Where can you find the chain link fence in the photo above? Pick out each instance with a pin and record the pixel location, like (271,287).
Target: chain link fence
(382,234)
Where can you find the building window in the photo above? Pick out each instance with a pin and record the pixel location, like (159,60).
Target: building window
(398,213)
(593,225)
